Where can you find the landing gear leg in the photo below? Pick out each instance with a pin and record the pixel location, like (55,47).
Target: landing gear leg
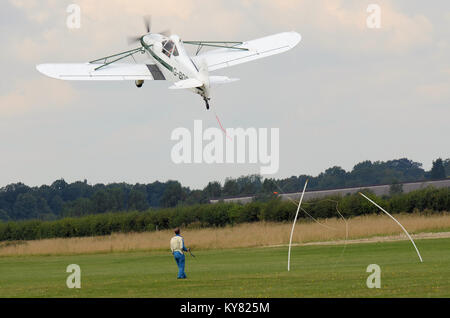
(207,102)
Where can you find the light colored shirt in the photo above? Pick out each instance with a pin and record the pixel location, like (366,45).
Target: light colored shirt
(177,244)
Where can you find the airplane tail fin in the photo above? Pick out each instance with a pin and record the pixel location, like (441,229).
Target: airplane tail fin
(204,72)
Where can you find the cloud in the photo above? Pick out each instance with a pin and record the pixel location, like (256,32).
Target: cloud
(34,49)
(105,25)
(339,24)
(35,10)
(35,95)
(405,32)
(334,24)
(435,92)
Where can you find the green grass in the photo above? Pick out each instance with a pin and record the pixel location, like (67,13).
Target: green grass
(316,271)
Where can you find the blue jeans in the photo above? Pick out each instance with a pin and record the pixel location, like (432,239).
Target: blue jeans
(180,259)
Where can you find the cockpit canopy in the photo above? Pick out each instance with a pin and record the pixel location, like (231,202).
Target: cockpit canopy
(169,48)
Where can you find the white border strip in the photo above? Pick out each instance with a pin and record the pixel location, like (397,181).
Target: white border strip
(293,226)
(404,230)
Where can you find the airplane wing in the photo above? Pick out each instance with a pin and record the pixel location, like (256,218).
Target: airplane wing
(114,72)
(249,51)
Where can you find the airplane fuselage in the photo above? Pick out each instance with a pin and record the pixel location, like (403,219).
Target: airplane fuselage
(174,62)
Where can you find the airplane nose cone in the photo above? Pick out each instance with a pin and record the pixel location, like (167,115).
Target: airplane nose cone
(145,40)
(149,39)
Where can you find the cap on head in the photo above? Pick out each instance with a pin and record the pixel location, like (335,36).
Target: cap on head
(177,230)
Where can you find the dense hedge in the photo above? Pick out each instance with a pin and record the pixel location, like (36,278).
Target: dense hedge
(221,214)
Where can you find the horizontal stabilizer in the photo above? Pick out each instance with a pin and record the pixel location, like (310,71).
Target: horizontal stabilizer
(218,80)
(189,83)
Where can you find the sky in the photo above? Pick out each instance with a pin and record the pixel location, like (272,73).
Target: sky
(347,93)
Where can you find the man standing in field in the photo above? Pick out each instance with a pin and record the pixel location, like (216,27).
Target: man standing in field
(178,249)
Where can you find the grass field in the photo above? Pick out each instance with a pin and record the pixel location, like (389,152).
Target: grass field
(316,271)
(243,235)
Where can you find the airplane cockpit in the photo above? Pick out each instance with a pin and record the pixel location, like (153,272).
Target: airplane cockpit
(169,48)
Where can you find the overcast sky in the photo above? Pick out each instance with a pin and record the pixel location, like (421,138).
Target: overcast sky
(346,94)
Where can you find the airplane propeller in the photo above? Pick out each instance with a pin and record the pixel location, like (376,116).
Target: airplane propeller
(148,23)
(148,28)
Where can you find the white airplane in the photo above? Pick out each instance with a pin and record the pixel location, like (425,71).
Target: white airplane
(171,62)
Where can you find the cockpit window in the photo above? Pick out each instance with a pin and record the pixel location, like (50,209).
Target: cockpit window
(175,51)
(170,48)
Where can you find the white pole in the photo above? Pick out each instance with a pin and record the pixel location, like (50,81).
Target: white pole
(404,230)
(293,226)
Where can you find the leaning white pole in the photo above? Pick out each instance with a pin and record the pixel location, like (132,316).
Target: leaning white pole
(404,230)
(293,226)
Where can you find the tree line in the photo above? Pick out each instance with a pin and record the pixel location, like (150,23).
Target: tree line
(428,200)
(61,199)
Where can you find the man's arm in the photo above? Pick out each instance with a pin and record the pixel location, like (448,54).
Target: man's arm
(184,247)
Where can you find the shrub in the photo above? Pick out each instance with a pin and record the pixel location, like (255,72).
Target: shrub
(430,200)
